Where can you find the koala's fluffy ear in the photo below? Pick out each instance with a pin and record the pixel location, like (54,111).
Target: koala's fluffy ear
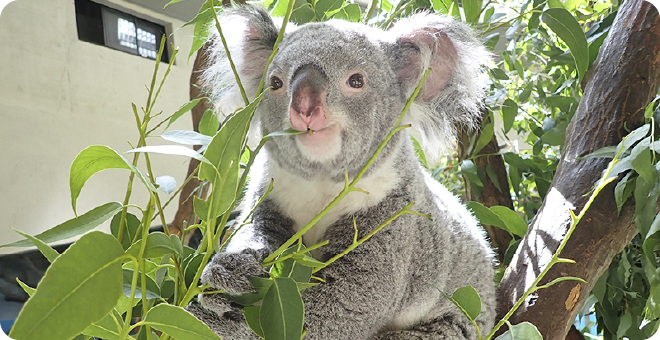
(453,92)
(250,34)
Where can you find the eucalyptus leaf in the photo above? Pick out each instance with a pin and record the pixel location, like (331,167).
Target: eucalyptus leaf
(185,107)
(177,150)
(281,312)
(168,319)
(521,331)
(158,244)
(564,24)
(73,227)
(224,153)
(49,253)
(89,266)
(96,158)
(468,300)
(130,232)
(186,137)
(166,183)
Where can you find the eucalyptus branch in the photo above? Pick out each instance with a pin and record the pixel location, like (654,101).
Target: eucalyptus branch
(300,252)
(231,61)
(357,242)
(350,187)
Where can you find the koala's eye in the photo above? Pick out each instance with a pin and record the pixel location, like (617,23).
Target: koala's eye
(355,81)
(276,83)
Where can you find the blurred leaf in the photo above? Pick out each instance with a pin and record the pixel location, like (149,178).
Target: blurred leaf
(324,6)
(470,171)
(176,150)
(182,110)
(521,331)
(73,227)
(350,12)
(186,137)
(509,112)
(153,290)
(472,9)
(487,132)
(49,253)
(512,219)
(166,183)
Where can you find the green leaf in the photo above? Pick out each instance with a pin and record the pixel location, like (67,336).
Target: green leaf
(73,227)
(635,136)
(419,152)
(168,319)
(324,6)
(521,331)
(292,268)
(640,159)
(493,177)
(623,190)
(224,152)
(176,150)
(94,159)
(209,124)
(153,291)
(79,288)
(564,24)
(487,132)
(468,300)
(28,290)
(441,6)
(105,328)
(472,9)
(652,238)
(130,229)
(158,244)
(183,109)
(282,311)
(470,170)
(509,113)
(251,314)
(350,12)
(604,152)
(512,219)
(49,253)
(485,215)
(556,135)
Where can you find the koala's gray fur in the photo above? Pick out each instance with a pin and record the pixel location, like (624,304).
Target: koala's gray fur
(389,287)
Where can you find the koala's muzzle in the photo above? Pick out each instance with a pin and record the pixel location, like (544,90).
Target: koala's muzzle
(308,90)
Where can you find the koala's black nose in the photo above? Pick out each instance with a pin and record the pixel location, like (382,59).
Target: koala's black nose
(308,89)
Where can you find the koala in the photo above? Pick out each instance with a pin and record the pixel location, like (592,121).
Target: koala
(346,84)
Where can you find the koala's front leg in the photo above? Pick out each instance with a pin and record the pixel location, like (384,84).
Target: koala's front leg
(447,327)
(230,269)
(361,292)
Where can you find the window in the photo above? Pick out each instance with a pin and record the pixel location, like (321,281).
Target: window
(102,25)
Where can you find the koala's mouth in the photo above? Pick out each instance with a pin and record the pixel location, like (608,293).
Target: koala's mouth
(321,144)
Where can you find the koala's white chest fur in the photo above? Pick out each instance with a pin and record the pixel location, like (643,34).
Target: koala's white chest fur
(302,199)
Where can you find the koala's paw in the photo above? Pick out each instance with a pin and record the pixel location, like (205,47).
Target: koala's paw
(230,272)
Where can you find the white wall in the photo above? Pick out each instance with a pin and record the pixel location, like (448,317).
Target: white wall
(59,95)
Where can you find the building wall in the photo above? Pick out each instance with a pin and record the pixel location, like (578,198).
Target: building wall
(59,95)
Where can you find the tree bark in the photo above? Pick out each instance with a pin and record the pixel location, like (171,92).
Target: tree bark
(186,213)
(625,80)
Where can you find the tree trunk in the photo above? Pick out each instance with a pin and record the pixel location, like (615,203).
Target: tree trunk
(490,194)
(186,213)
(625,80)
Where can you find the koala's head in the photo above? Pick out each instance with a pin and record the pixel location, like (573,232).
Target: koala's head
(346,84)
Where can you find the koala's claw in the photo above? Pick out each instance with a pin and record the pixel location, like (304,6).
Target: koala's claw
(230,272)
